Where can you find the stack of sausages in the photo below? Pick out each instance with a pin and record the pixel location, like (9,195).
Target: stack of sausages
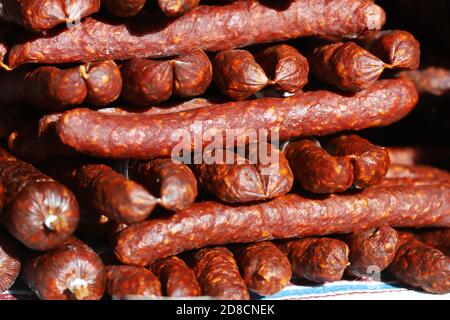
(93,93)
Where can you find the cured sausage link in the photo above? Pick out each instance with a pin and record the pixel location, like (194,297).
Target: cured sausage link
(305,114)
(38,15)
(40,212)
(287,216)
(210,28)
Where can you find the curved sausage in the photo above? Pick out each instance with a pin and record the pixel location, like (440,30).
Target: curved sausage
(103,190)
(285,66)
(346,66)
(422,266)
(398,48)
(237,74)
(103,82)
(40,212)
(210,28)
(305,114)
(124,8)
(173,183)
(317,259)
(316,170)
(218,274)
(10,264)
(287,216)
(73,271)
(265,269)
(177,279)
(439,239)
(38,15)
(131,282)
(174,8)
(371,250)
(370,162)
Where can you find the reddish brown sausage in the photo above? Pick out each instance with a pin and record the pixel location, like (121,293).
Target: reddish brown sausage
(101,189)
(9,262)
(317,259)
(177,279)
(439,239)
(40,212)
(51,88)
(422,266)
(124,8)
(210,28)
(192,74)
(73,271)
(103,82)
(173,8)
(287,216)
(370,162)
(265,269)
(244,181)
(417,173)
(346,65)
(371,250)
(305,114)
(131,282)
(37,15)
(398,48)
(173,183)
(147,81)
(433,80)
(285,66)
(218,274)
(237,74)
(316,170)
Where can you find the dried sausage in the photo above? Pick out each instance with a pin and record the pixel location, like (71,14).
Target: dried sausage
(177,279)
(439,239)
(73,271)
(173,8)
(305,114)
(10,263)
(105,191)
(287,216)
(147,81)
(192,74)
(51,88)
(243,180)
(40,212)
(103,82)
(237,74)
(173,183)
(396,47)
(285,66)
(417,173)
(210,28)
(218,274)
(316,170)
(370,162)
(433,80)
(346,65)
(371,250)
(38,15)
(124,8)
(265,269)
(317,259)
(422,266)
(131,282)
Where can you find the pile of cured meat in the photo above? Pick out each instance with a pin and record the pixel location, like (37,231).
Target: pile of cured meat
(94,204)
